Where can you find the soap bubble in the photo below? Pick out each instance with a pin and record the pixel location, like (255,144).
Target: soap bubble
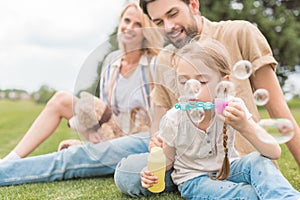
(167,121)
(261,97)
(242,69)
(197,115)
(163,122)
(192,88)
(280,129)
(225,90)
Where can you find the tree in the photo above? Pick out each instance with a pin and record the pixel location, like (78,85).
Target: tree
(278,20)
(94,88)
(43,94)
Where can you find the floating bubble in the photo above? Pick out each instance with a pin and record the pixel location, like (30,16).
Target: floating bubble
(192,88)
(163,122)
(280,130)
(288,96)
(169,119)
(225,90)
(242,69)
(197,115)
(261,97)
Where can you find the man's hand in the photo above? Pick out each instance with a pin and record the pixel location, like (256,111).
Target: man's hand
(155,141)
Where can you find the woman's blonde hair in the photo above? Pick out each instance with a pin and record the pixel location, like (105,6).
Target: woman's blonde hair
(153,39)
(213,54)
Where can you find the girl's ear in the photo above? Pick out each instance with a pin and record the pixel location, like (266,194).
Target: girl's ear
(226,78)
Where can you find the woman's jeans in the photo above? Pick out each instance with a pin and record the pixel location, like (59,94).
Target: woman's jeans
(87,160)
(252,177)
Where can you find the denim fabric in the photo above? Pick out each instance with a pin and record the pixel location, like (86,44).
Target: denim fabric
(251,177)
(87,160)
(128,180)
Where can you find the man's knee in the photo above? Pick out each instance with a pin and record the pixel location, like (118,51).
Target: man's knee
(128,180)
(127,175)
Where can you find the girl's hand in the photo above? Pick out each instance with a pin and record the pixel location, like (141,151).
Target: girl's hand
(235,116)
(147,179)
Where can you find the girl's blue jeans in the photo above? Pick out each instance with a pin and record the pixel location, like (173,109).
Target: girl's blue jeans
(87,160)
(251,177)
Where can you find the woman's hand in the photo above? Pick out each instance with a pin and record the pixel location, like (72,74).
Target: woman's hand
(67,143)
(147,178)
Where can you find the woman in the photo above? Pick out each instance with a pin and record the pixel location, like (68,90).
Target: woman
(139,44)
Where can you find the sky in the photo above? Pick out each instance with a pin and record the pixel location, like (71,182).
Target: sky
(50,41)
(55,42)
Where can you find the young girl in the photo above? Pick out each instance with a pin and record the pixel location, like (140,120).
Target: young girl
(206,164)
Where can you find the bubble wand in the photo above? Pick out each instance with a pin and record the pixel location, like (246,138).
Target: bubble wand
(189,105)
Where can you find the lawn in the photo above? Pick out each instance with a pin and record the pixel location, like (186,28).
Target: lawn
(16,118)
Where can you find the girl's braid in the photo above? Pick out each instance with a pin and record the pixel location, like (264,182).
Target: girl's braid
(225,169)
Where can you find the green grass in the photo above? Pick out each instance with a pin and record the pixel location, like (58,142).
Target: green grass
(16,118)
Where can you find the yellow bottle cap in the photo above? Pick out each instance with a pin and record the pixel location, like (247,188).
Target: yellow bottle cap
(155,149)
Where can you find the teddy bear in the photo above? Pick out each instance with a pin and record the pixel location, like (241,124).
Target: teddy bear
(93,119)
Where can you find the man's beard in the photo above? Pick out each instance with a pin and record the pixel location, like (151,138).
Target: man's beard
(190,32)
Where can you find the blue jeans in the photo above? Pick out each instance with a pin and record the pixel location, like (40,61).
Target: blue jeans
(128,180)
(251,177)
(87,160)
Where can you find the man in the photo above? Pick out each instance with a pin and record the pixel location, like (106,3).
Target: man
(182,22)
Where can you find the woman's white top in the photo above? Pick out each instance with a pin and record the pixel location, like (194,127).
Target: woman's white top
(126,93)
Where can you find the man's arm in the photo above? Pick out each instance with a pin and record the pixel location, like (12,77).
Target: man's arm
(159,112)
(163,93)
(277,107)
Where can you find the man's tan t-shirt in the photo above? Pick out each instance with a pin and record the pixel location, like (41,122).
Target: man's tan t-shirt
(243,41)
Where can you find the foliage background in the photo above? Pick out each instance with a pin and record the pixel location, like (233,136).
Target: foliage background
(278,20)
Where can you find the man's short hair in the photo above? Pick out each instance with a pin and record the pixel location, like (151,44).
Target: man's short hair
(144,3)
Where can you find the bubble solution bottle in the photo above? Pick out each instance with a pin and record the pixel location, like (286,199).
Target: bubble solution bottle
(157,165)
